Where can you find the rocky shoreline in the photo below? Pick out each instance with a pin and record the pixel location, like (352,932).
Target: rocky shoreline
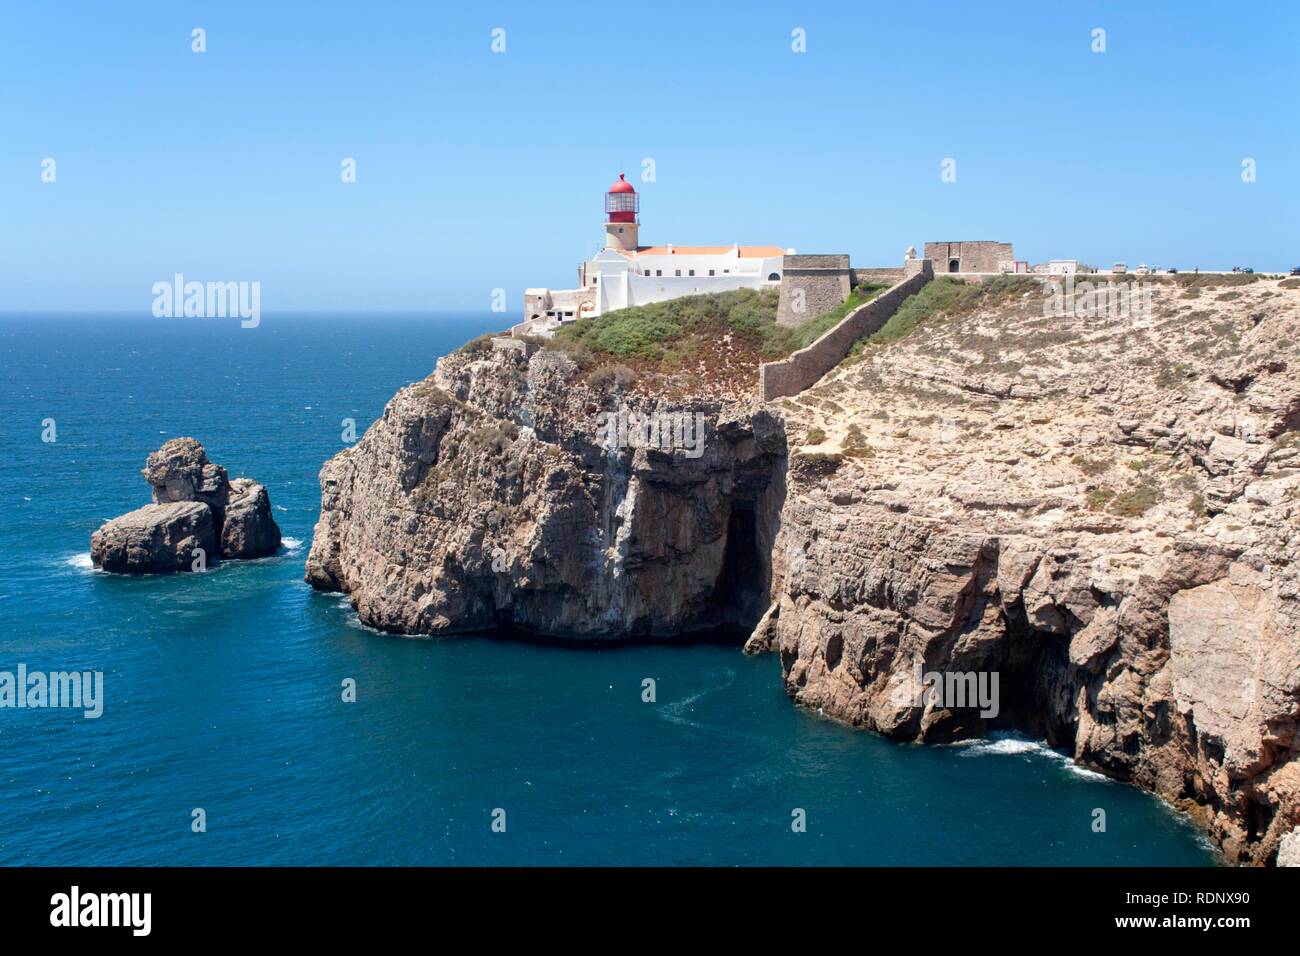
(1102,514)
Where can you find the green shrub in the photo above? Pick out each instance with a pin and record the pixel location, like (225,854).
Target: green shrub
(579,354)
(612,376)
(816,464)
(1098,498)
(1137,500)
(481,345)
(815,436)
(492,437)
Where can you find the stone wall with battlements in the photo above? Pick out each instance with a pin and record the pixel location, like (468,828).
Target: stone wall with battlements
(793,374)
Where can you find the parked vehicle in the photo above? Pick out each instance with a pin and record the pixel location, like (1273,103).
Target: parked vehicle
(1119,268)
(1296,271)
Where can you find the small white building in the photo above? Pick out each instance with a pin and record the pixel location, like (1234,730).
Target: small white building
(1062,267)
(626,273)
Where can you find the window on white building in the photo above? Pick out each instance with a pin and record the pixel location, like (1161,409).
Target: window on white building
(691,271)
(710,272)
(679,271)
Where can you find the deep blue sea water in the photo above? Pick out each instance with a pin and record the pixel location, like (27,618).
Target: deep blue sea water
(223,690)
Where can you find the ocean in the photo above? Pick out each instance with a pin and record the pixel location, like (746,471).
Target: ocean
(223,691)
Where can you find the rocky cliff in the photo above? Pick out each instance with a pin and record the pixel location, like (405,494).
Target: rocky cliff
(1102,511)
(1094,516)
(198,515)
(489,495)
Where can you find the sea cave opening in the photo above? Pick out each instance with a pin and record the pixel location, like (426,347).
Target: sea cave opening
(741,591)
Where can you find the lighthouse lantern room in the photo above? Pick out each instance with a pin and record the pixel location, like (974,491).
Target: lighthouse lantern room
(621,207)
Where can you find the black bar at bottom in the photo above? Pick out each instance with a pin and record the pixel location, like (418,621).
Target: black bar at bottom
(335,904)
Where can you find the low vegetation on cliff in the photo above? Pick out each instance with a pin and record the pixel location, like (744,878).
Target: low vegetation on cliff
(945,296)
(716,340)
(673,332)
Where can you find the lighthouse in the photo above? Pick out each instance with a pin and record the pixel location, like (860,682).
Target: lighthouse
(625,273)
(621,207)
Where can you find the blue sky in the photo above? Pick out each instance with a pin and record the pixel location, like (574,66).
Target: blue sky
(478,171)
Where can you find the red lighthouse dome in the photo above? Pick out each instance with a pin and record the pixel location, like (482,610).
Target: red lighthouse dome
(621,203)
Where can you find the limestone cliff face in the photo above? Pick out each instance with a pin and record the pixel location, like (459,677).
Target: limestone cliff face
(1103,512)
(487,496)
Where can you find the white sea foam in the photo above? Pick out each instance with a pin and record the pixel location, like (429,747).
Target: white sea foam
(292,545)
(354,621)
(81,561)
(280,507)
(1007,744)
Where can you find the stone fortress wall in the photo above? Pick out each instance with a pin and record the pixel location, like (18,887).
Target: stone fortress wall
(968,256)
(884,276)
(798,371)
(811,286)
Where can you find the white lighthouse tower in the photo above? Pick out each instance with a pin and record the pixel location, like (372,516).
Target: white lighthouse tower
(621,207)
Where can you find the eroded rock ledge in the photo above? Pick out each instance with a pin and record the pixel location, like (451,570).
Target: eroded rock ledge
(198,515)
(486,496)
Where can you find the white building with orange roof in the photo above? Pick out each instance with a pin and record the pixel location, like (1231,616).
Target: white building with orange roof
(626,273)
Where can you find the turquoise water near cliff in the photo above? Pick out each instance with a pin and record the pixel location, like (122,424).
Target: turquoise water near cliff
(222,691)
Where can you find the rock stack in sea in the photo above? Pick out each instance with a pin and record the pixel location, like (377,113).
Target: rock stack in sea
(198,515)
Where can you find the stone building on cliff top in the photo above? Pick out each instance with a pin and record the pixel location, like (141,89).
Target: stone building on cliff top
(625,273)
